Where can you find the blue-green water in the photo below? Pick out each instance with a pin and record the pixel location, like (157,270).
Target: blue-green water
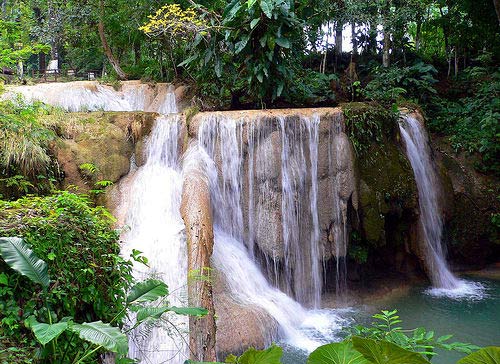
(475,321)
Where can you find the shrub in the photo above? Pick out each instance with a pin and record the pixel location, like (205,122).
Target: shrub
(89,278)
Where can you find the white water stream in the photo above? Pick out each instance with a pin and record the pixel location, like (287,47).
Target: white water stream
(427,179)
(93,96)
(222,142)
(154,226)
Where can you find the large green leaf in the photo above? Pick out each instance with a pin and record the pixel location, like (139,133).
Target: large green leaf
(336,353)
(20,257)
(488,355)
(267,7)
(101,334)
(283,42)
(271,355)
(231,10)
(45,333)
(148,290)
(144,313)
(384,352)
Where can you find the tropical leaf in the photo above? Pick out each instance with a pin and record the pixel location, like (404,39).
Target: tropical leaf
(242,43)
(487,355)
(45,333)
(267,7)
(20,257)
(144,313)
(101,334)
(336,353)
(189,311)
(251,3)
(384,352)
(148,290)
(271,355)
(283,42)
(231,10)
(254,23)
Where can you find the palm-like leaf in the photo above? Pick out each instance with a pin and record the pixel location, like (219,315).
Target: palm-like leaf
(384,352)
(143,313)
(20,257)
(336,353)
(148,290)
(45,333)
(101,334)
(488,355)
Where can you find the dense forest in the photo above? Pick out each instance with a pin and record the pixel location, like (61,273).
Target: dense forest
(442,55)
(377,59)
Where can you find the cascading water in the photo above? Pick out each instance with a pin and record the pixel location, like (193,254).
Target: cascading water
(222,140)
(93,96)
(339,211)
(302,268)
(419,154)
(156,229)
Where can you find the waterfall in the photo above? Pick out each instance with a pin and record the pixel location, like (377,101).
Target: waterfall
(228,143)
(339,211)
(154,227)
(93,96)
(431,221)
(223,140)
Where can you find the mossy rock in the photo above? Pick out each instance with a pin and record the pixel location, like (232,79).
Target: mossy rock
(387,186)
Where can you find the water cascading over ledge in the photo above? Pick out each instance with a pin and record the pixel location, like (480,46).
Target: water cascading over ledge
(279,198)
(433,249)
(286,178)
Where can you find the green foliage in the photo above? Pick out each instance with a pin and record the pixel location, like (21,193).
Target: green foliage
(271,355)
(89,278)
(26,163)
(488,355)
(391,84)
(15,46)
(384,352)
(471,122)
(101,334)
(387,328)
(336,353)
(21,258)
(309,87)
(45,333)
(367,124)
(147,291)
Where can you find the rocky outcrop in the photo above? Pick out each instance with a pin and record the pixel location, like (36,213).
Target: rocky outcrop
(197,216)
(97,146)
(473,237)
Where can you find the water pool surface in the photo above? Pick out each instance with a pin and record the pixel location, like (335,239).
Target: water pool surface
(474,320)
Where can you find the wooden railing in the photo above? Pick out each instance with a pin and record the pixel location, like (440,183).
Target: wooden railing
(55,75)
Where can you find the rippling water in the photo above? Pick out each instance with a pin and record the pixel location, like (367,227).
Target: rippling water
(474,319)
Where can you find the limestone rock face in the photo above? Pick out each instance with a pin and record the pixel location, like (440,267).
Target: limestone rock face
(106,141)
(472,201)
(387,188)
(197,216)
(240,326)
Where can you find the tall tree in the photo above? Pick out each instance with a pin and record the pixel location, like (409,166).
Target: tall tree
(107,49)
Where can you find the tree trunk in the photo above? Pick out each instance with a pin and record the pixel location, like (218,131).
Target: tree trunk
(338,43)
(107,50)
(387,47)
(418,33)
(354,40)
(496,3)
